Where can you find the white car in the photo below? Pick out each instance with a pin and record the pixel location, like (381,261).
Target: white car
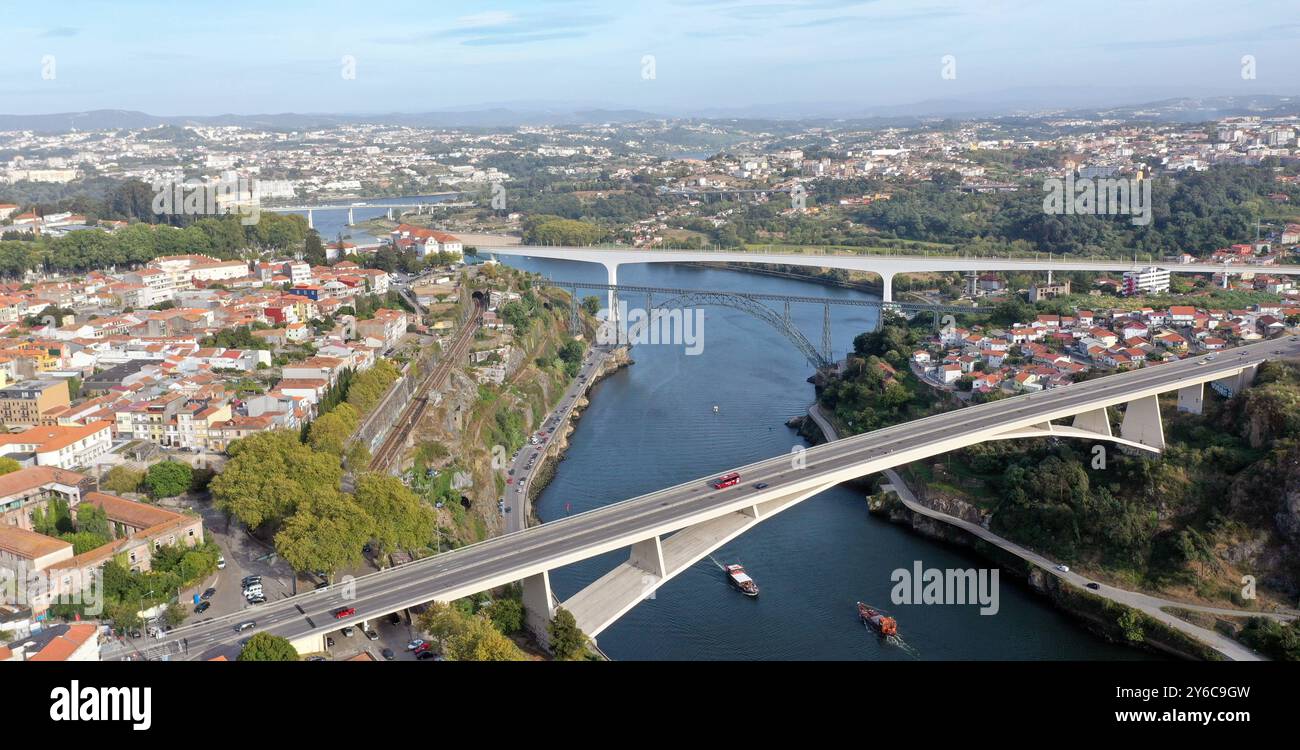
(221,562)
(1063,568)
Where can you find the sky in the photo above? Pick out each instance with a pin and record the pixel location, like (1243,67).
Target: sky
(666,56)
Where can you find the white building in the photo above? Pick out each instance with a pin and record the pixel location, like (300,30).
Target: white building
(1149,280)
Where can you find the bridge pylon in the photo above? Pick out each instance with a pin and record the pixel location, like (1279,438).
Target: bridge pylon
(826,333)
(575,323)
(539,606)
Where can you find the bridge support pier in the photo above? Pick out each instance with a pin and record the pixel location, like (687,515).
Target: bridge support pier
(539,606)
(649,556)
(611,270)
(1191,398)
(886,287)
(1142,423)
(1097,421)
(310,223)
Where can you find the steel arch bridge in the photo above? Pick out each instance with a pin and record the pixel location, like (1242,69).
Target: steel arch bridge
(755,309)
(752,304)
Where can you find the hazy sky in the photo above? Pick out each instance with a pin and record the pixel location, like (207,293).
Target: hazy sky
(170,58)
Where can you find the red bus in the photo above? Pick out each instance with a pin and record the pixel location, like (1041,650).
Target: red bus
(726,480)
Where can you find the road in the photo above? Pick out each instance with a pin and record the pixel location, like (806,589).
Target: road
(514,556)
(1152,606)
(528,461)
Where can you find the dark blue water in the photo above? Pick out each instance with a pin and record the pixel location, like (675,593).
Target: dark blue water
(652,425)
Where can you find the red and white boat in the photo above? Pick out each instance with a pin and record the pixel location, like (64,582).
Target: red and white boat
(885,626)
(741,580)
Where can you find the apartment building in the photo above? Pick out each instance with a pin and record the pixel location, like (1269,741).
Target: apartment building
(1149,280)
(30,401)
(63,447)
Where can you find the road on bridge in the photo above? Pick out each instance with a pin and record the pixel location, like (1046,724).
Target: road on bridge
(515,556)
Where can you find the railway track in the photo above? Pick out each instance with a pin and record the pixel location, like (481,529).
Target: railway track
(391,448)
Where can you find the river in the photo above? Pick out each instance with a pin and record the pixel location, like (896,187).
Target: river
(652,425)
(332,224)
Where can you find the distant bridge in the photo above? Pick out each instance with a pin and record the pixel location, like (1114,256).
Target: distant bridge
(752,303)
(884,266)
(401,208)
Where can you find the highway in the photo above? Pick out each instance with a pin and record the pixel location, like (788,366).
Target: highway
(524,553)
(520,472)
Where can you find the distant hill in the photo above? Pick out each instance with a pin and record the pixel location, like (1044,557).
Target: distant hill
(1081,103)
(113,119)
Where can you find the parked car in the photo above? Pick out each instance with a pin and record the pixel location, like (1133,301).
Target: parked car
(413,645)
(202,607)
(426,656)
(349,631)
(420,649)
(221,562)
(371,635)
(388,654)
(208,594)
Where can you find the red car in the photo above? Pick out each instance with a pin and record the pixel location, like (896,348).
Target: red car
(420,649)
(345,612)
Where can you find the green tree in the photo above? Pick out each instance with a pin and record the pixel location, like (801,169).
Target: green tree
(270,474)
(313,249)
(121,479)
(441,621)
(91,519)
(7,465)
(267,647)
(567,641)
(480,641)
(326,532)
(175,614)
(401,520)
(331,431)
(507,615)
(168,478)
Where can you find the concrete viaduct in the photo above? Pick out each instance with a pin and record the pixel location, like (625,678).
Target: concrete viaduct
(667,531)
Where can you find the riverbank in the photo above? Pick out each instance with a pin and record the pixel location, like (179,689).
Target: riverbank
(1128,617)
(616,360)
